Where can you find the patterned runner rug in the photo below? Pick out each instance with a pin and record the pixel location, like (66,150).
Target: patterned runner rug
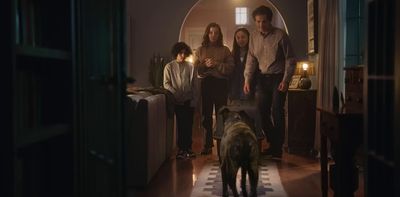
(209,182)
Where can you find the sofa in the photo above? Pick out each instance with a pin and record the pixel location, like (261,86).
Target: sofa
(146,136)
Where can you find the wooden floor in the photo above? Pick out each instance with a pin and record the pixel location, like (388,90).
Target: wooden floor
(300,175)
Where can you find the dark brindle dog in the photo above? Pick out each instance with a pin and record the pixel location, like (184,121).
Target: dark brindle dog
(238,149)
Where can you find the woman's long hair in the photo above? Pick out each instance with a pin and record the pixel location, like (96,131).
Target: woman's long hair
(206,39)
(236,48)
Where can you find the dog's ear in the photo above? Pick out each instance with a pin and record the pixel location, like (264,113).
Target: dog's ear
(247,119)
(223,112)
(243,114)
(221,116)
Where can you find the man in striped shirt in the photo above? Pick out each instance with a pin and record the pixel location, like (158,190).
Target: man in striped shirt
(270,47)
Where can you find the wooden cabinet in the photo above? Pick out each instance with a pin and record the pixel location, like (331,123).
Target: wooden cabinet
(301,113)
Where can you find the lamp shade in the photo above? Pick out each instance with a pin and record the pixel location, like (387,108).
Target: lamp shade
(305,68)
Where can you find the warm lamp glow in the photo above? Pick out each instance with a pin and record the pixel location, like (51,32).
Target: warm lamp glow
(190,59)
(304,69)
(305,66)
(302,66)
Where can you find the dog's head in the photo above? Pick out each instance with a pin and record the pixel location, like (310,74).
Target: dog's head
(228,117)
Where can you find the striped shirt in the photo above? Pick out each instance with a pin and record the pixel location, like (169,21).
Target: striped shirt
(274,55)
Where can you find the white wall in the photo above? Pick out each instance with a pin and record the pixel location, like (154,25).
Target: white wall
(223,13)
(154,26)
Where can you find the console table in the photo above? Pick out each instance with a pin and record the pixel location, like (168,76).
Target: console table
(300,121)
(345,132)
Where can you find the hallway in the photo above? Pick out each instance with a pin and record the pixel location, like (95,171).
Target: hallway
(300,175)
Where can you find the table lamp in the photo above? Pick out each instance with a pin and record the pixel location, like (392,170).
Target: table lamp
(305,69)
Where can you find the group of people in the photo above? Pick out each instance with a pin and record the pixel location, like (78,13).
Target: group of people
(261,63)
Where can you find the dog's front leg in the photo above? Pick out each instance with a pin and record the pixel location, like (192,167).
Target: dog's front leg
(224,181)
(243,181)
(232,180)
(253,177)
(232,185)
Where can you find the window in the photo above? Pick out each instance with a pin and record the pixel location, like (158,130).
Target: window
(354,52)
(241,15)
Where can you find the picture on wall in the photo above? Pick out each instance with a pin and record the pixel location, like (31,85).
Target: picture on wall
(312,25)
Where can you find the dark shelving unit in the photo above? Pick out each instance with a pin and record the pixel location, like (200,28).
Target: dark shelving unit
(63,88)
(43,87)
(382,94)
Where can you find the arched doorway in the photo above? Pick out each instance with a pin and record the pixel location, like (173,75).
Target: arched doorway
(224,13)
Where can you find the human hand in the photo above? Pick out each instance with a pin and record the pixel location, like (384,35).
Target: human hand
(246,88)
(283,86)
(209,62)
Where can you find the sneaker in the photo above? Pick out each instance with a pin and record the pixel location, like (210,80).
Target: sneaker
(181,155)
(206,151)
(190,153)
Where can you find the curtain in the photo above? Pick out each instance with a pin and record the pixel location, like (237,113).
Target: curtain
(328,61)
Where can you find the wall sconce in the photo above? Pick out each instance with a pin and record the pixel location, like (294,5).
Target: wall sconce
(305,69)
